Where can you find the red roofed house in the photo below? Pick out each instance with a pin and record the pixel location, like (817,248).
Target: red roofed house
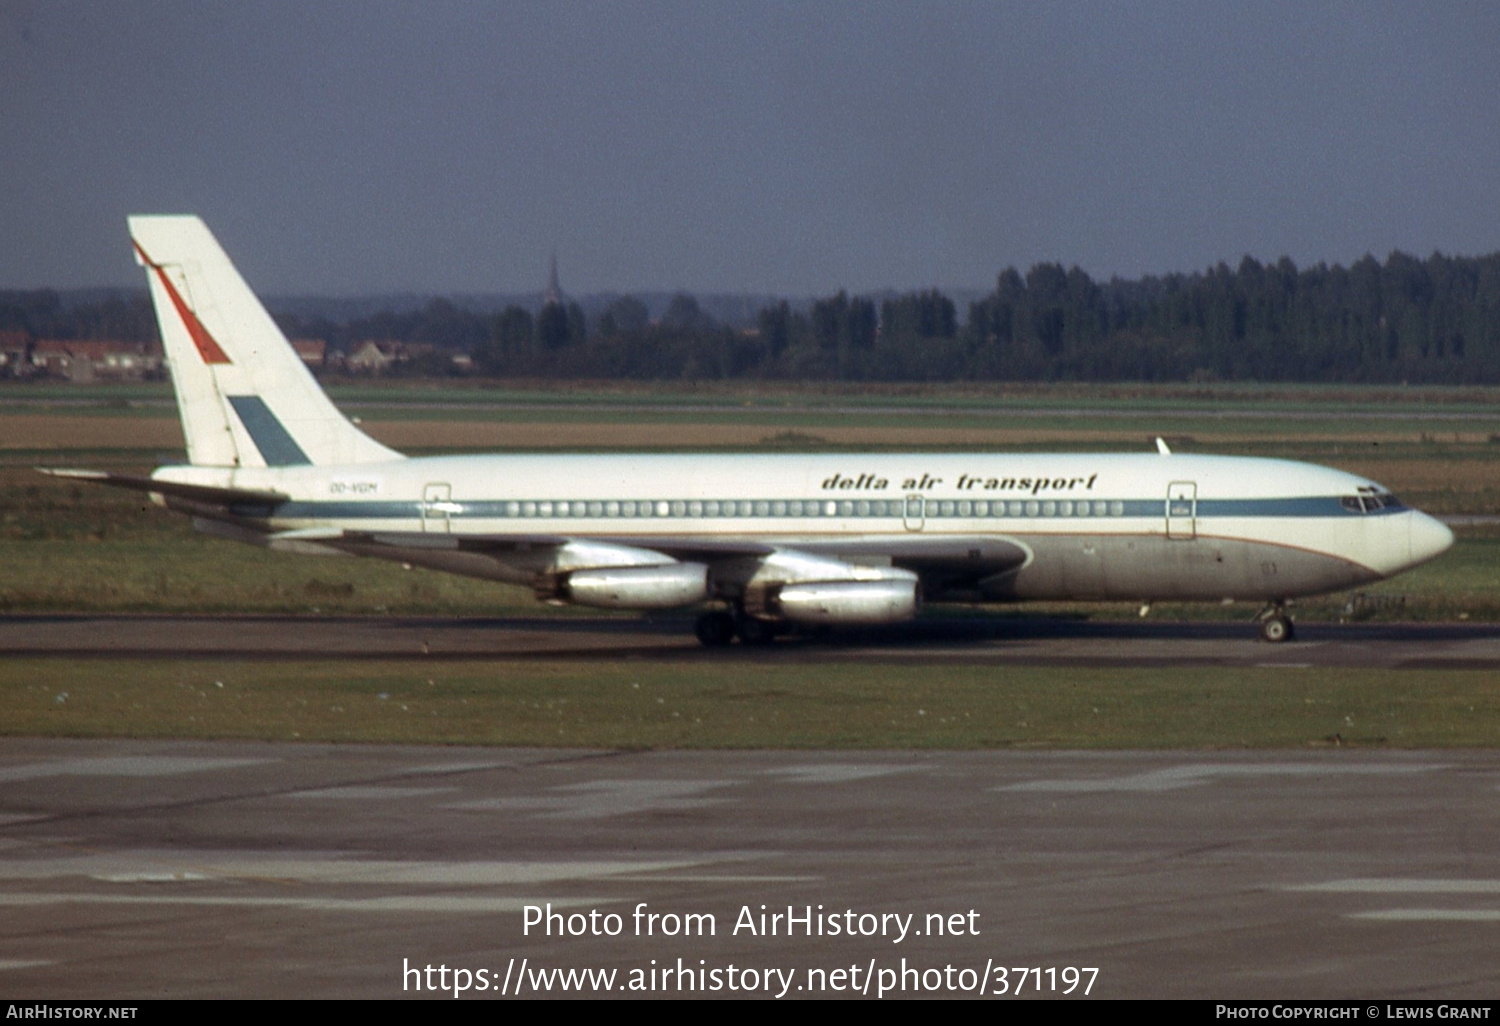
(88,359)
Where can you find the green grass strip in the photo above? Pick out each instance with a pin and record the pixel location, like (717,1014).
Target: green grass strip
(737,703)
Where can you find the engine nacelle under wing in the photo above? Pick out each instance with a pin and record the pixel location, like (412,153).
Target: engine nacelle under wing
(848,602)
(664,586)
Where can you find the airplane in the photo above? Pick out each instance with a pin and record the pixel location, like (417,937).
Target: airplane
(763,544)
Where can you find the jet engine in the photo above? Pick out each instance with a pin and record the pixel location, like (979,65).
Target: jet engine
(847,602)
(663,586)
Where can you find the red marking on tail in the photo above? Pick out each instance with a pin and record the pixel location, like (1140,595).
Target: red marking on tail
(207,347)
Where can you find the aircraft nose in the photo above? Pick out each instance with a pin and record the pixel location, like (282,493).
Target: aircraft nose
(1429,536)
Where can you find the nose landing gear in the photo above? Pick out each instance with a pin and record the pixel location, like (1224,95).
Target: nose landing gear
(1275,624)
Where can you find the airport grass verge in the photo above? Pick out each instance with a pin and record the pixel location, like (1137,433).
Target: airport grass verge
(732,704)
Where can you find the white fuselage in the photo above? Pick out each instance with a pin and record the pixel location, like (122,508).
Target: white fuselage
(1137,526)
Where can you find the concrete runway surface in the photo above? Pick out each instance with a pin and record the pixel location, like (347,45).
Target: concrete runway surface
(140,869)
(1010,640)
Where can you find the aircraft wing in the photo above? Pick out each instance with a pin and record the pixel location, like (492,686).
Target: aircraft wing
(983,553)
(941,561)
(986,553)
(500,545)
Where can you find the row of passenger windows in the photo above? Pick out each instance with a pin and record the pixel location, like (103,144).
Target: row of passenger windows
(814,508)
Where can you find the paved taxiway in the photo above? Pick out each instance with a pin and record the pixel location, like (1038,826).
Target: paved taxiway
(1001,641)
(176,869)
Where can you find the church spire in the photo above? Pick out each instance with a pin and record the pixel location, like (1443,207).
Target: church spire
(554,290)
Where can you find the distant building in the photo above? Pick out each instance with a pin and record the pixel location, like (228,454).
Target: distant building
(314,351)
(14,361)
(93,359)
(372,357)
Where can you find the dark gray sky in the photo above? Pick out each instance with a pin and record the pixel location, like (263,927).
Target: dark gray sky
(795,147)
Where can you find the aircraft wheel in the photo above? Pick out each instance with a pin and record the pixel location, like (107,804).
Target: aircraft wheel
(755,632)
(1276,629)
(715,630)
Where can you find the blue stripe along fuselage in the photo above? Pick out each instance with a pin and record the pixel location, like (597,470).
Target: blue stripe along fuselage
(499,509)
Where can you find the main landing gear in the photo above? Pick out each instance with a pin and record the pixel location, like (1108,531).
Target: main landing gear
(718,628)
(715,629)
(1275,625)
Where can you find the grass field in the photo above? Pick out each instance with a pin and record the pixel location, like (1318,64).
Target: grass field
(67,547)
(739,704)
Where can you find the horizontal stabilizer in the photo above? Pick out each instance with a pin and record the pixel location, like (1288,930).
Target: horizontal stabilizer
(196,493)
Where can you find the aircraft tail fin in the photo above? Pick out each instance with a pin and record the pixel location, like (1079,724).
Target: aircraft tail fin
(245,396)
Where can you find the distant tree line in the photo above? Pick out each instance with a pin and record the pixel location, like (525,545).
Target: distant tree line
(41,313)
(1435,320)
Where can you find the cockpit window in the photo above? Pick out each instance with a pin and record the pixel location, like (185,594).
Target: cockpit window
(1370,500)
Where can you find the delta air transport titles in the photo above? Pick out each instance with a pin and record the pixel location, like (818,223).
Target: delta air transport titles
(761,544)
